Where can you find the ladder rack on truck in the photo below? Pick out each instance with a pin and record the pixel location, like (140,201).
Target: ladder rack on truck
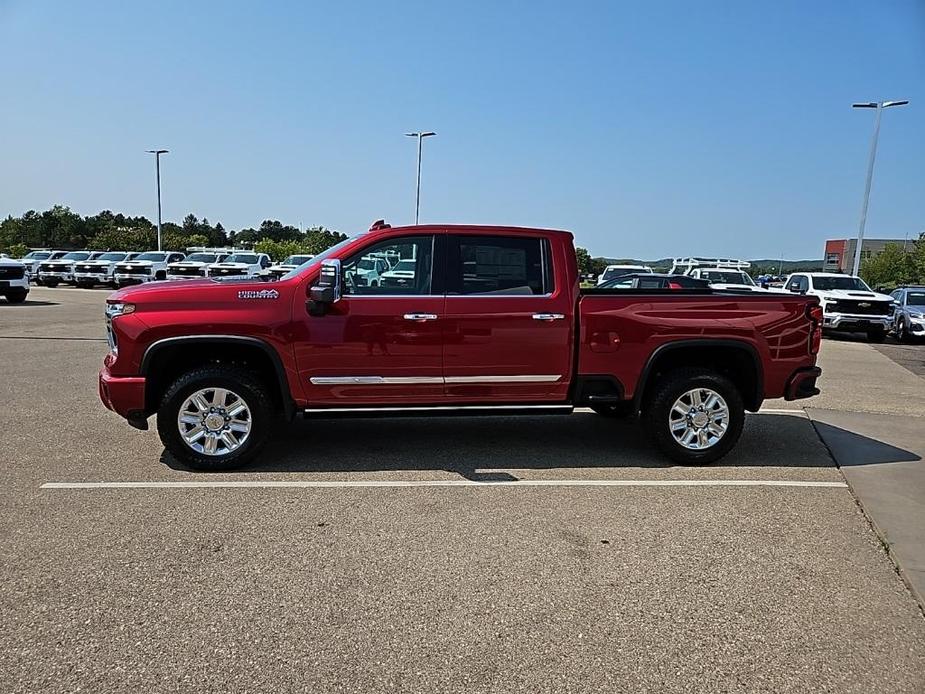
(684,266)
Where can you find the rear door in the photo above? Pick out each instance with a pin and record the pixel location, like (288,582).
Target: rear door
(507,328)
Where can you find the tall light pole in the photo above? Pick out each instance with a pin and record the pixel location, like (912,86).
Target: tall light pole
(157,165)
(417,197)
(879,105)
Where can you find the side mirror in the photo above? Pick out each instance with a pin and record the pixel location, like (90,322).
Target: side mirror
(327,290)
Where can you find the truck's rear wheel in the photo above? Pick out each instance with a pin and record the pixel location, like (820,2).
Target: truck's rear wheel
(215,418)
(694,416)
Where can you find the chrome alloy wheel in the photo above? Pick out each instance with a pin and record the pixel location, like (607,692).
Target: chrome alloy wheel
(214,421)
(699,419)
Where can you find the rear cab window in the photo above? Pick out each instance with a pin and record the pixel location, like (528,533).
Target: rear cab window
(499,265)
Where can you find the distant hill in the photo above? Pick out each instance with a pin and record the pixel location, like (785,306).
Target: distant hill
(758,266)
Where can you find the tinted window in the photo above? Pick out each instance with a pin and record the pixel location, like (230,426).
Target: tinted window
(360,277)
(915,298)
(835,282)
(77,255)
(202,258)
(247,258)
(155,257)
(498,265)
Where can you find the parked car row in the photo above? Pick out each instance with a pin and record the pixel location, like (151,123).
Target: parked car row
(50,268)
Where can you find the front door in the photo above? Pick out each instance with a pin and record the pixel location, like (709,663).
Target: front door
(508,329)
(381,343)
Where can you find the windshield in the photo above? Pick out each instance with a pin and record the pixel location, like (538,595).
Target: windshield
(836,282)
(36,255)
(247,258)
(297,260)
(407,265)
(112,256)
(366,264)
(317,259)
(202,258)
(156,257)
(915,299)
(75,256)
(727,277)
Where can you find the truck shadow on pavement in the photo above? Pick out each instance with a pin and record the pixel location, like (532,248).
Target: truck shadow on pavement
(851,449)
(484,448)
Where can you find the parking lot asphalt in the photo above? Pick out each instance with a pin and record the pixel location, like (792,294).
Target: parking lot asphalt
(563,554)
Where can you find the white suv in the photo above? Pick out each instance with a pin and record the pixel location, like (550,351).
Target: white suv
(14,284)
(145,267)
(848,304)
(99,269)
(241,264)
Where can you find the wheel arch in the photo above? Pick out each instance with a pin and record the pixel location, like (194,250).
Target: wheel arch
(742,364)
(165,359)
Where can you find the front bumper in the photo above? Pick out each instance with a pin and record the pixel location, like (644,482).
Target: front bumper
(802,384)
(916,325)
(8,285)
(124,395)
(101,277)
(62,276)
(854,321)
(184,277)
(132,278)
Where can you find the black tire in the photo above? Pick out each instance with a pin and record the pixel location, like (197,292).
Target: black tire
(666,391)
(160,275)
(614,410)
(876,335)
(52,283)
(16,297)
(902,332)
(253,391)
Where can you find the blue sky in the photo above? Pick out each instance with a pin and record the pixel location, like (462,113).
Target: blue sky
(647,128)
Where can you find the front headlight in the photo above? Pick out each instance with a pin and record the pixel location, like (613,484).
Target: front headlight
(118,309)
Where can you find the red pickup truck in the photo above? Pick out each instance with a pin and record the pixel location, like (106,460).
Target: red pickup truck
(442,319)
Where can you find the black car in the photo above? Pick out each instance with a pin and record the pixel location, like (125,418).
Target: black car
(655,280)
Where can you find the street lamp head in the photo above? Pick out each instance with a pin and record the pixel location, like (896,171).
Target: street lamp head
(887,104)
(427,134)
(157,151)
(411,134)
(868,104)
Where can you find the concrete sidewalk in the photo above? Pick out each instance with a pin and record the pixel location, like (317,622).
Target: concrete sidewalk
(872,418)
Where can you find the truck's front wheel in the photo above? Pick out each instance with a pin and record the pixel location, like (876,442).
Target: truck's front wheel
(694,416)
(215,418)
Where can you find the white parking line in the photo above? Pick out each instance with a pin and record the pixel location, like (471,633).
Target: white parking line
(772,410)
(338,484)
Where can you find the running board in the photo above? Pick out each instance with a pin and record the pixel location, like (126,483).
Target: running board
(441,410)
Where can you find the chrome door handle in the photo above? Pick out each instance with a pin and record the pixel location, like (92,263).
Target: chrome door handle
(548,316)
(421,316)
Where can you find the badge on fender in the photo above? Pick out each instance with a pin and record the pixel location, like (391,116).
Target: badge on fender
(254,294)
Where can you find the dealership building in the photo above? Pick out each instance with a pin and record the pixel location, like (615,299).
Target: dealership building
(839,253)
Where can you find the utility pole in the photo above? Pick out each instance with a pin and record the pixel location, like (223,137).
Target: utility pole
(417,198)
(157,165)
(879,105)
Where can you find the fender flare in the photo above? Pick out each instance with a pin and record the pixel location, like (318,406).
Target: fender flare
(659,351)
(265,347)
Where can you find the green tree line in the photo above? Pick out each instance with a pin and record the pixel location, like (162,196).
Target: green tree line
(896,265)
(61,228)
